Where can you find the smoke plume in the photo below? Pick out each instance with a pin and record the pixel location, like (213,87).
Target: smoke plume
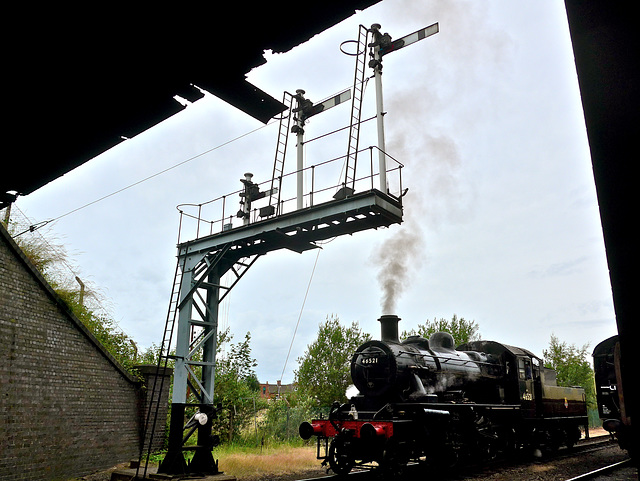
(432,171)
(423,114)
(398,258)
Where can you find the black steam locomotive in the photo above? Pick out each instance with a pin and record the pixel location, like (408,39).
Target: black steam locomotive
(424,400)
(610,393)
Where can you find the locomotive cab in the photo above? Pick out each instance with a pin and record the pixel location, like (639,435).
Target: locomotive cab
(520,371)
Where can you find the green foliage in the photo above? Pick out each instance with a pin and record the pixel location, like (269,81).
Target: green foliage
(104,329)
(236,386)
(461,329)
(52,261)
(45,255)
(150,356)
(572,366)
(282,417)
(324,369)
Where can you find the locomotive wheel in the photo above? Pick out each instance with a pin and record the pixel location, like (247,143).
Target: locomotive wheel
(573,435)
(394,461)
(340,459)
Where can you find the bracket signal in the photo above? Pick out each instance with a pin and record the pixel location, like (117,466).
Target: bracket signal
(304,111)
(383,45)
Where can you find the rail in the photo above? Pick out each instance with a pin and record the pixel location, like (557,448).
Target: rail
(221,214)
(596,473)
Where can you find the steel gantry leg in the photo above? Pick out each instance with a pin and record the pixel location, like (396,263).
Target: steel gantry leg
(201,292)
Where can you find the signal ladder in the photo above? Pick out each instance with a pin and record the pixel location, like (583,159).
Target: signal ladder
(281,151)
(356,109)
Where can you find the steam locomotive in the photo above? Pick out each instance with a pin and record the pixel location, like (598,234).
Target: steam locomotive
(424,400)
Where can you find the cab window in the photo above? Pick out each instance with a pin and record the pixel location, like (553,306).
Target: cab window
(524,368)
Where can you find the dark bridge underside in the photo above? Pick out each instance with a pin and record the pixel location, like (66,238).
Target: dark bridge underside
(78,78)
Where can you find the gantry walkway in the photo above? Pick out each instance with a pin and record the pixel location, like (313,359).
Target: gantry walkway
(301,229)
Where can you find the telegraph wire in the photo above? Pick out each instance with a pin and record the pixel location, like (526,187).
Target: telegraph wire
(43,223)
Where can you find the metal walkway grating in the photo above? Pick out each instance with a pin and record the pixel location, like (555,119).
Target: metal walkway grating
(299,230)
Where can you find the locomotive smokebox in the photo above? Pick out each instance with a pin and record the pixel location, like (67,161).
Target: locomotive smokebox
(389,328)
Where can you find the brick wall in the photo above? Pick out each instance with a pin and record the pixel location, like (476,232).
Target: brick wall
(149,404)
(67,408)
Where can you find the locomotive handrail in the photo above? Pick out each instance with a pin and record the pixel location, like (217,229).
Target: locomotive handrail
(513,407)
(446,359)
(387,407)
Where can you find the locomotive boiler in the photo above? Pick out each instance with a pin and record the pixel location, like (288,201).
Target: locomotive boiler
(426,399)
(418,369)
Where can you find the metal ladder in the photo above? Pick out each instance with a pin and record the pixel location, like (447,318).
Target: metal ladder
(281,151)
(164,354)
(356,108)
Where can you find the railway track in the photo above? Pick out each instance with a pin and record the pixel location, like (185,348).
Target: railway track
(564,465)
(622,470)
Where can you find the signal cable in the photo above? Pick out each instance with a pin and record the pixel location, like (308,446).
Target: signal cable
(300,315)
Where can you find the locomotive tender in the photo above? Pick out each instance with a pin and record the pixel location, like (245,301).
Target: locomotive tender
(426,400)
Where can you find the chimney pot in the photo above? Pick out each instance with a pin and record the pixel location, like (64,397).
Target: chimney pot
(389,328)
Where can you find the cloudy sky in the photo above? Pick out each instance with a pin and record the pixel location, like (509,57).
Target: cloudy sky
(501,221)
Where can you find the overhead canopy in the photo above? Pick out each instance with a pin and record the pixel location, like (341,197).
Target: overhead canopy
(79,78)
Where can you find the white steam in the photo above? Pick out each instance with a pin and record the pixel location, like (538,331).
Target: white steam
(418,113)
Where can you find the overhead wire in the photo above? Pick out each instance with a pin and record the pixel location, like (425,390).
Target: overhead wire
(304,301)
(43,223)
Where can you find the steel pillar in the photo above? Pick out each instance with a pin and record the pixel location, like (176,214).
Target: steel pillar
(195,358)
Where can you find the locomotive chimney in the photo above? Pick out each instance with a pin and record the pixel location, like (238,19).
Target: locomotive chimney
(389,328)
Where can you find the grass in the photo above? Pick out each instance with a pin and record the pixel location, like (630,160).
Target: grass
(254,463)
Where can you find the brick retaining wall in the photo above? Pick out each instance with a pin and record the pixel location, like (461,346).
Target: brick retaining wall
(67,408)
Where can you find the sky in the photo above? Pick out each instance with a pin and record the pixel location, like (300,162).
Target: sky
(501,223)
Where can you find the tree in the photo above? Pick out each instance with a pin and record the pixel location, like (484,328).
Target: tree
(282,417)
(236,386)
(572,367)
(461,329)
(324,369)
